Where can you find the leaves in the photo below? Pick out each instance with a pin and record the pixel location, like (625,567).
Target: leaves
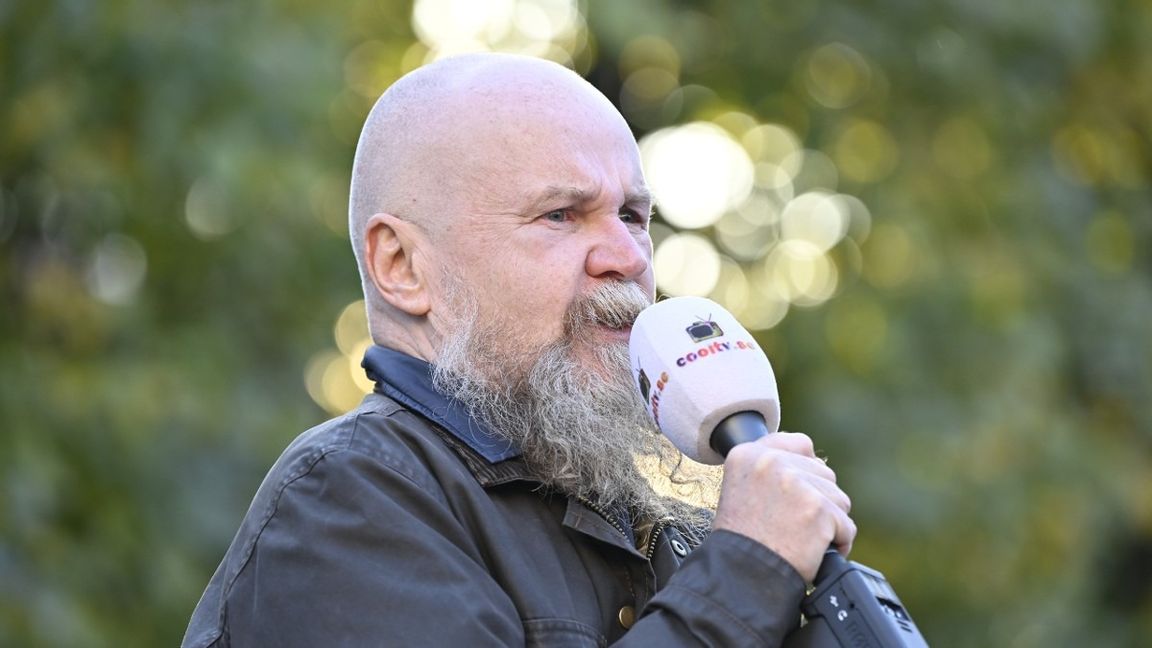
(172,261)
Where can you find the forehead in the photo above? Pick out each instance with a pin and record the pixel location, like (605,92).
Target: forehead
(558,153)
(508,130)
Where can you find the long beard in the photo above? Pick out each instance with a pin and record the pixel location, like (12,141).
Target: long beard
(571,406)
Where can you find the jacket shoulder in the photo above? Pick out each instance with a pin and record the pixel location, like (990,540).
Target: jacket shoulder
(380,432)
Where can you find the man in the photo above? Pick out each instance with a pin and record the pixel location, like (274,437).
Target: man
(488,492)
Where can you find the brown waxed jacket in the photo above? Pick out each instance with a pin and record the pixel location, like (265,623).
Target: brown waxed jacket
(385,528)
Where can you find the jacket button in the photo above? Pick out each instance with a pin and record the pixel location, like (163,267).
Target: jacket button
(679,548)
(627,616)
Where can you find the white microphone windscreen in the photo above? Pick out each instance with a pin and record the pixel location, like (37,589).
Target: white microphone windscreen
(695,365)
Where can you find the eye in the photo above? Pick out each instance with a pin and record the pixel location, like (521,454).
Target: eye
(632,216)
(556,216)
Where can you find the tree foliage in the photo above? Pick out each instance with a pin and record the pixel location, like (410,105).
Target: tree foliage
(173,182)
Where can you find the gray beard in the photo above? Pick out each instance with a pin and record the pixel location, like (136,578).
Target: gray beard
(581,425)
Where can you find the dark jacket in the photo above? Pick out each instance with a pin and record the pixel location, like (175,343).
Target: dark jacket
(395,527)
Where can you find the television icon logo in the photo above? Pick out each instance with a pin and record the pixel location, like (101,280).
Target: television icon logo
(704,330)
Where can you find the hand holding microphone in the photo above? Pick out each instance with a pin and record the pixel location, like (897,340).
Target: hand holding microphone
(711,390)
(777,492)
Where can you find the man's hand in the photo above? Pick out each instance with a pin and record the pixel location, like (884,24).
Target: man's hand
(778,493)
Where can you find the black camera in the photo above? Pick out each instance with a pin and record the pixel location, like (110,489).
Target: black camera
(853,605)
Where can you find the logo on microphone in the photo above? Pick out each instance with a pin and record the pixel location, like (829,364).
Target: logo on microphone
(645,386)
(704,329)
(652,396)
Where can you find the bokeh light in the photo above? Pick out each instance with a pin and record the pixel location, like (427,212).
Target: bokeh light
(770,201)
(865,151)
(737,122)
(961,148)
(650,69)
(777,154)
(859,217)
(552,29)
(117,269)
(764,310)
(649,52)
(334,378)
(462,23)
(836,75)
(749,231)
(351,327)
(648,86)
(644,94)
(732,289)
(776,179)
(697,172)
(772,143)
(800,272)
(355,359)
(818,217)
(686,264)
(207,210)
(1094,154)
(814,170)
(330,383)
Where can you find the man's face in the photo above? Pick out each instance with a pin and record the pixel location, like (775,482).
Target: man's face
(522,264)
(554,205)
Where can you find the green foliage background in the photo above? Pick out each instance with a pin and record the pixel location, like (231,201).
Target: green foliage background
(994,427)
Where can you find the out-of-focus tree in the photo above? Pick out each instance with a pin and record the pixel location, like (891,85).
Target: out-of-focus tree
(979,374)
(937,217)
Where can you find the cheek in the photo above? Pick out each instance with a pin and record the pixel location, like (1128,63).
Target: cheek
(532,299)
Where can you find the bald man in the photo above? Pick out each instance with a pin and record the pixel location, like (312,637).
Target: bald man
(489,491)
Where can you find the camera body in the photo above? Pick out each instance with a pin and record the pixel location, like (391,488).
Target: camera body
(853,605)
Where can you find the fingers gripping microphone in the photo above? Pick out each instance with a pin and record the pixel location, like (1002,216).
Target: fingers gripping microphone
(709,386)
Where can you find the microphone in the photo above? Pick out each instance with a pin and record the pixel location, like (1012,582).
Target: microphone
(704,379)
(708,386)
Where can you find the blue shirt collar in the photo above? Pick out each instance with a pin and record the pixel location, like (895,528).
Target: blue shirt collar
(408,381)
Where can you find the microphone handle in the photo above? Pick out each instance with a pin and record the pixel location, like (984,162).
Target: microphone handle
(737,428)
(850,604)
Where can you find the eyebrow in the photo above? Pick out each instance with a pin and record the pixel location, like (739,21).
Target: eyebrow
(640,195)
(576,195)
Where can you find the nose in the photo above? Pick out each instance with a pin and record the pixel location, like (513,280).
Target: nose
(619,251)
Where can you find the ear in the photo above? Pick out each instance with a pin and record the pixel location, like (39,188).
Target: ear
(389,254)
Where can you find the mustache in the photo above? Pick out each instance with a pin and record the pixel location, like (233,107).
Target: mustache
(615,304)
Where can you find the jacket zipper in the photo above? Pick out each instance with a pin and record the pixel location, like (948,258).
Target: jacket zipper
(653,537)
(604,514)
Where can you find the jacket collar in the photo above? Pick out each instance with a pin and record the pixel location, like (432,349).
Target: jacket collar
(408,381)
(493,460)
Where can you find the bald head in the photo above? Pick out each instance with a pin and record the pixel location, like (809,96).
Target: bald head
(425,139)
(473,147)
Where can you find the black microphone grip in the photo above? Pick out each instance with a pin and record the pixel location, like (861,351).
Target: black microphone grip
(850,604)
(740,427)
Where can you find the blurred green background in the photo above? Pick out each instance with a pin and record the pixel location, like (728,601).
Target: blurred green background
(936,215)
